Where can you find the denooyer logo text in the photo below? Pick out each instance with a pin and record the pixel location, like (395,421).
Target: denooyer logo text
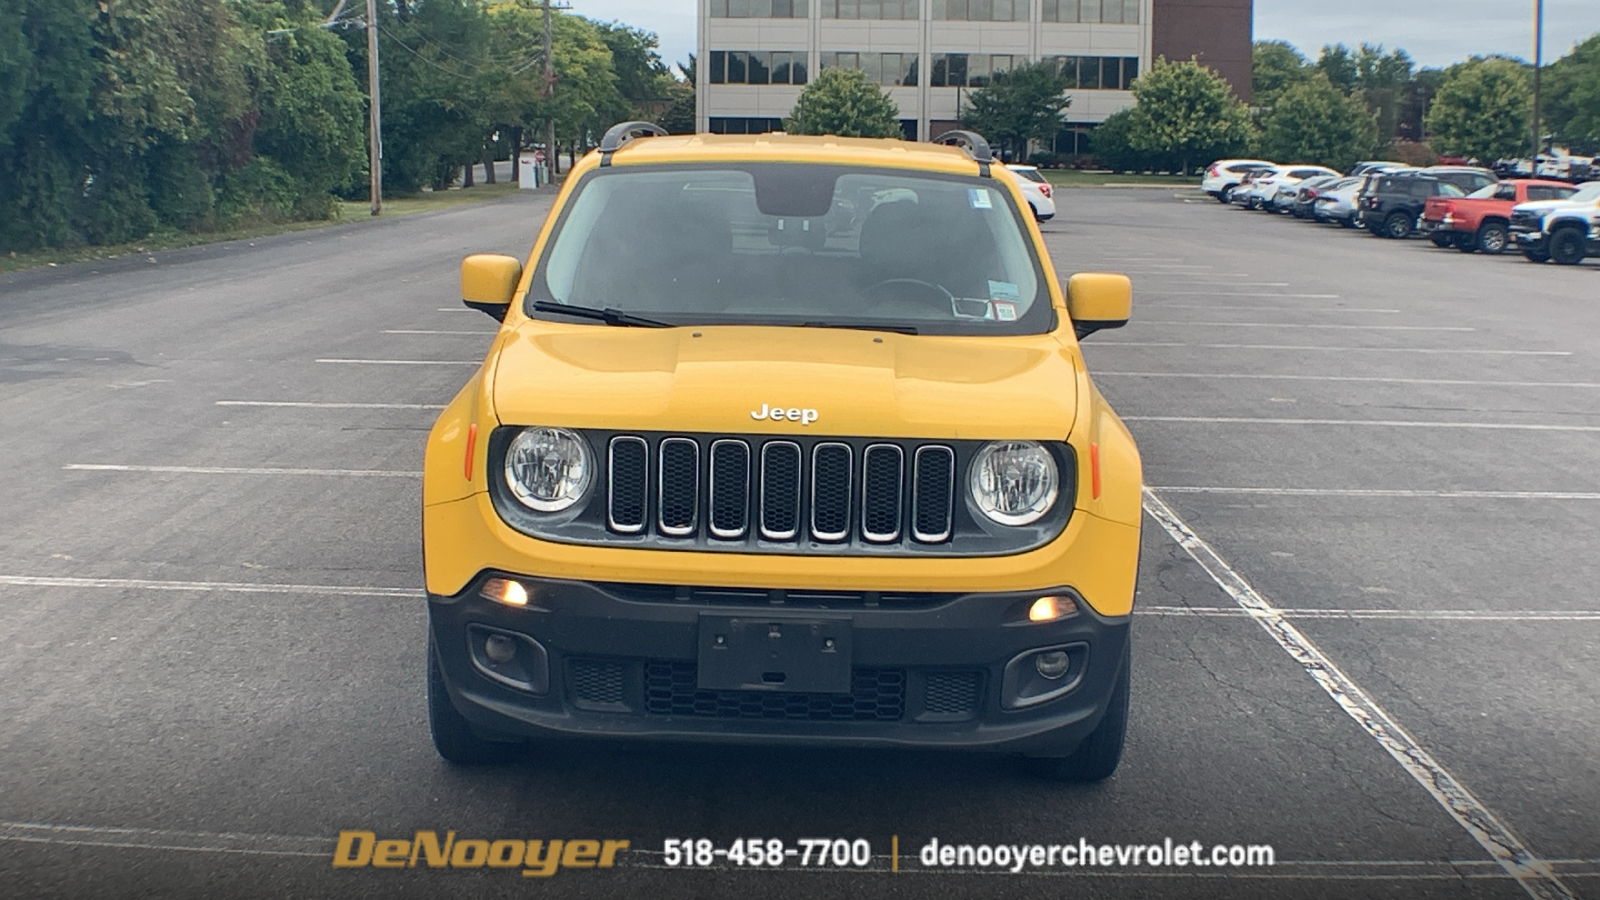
(778,414)
(537,859)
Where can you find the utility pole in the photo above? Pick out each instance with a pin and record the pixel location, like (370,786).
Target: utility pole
(549,90)
(374,110)
(1538,63)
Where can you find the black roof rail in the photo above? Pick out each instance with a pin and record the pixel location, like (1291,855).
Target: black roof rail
(974,144)
(623,133)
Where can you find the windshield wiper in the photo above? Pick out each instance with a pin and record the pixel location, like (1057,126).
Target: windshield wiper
(863,326)
(608,316)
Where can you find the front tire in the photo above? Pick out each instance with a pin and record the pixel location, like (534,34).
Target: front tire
(453,736)
(1097,758)
(1566,247)
(1225,196)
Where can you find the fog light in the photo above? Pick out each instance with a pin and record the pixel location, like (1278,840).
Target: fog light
(504,590)
(1052,664)
(1049,609)
(502,649)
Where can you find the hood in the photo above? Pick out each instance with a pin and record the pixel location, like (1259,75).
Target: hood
(729,379)
(1546,206)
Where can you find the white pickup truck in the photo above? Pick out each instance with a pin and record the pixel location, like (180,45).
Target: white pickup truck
(1560,231)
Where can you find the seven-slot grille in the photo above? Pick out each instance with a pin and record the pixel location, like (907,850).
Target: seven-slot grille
(737,489)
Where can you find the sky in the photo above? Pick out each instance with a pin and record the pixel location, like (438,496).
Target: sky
(1435,32)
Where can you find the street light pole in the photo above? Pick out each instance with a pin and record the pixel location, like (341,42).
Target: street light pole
(1538,63)
(374,110)
(549,91)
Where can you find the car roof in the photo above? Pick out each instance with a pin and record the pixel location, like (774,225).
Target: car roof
(888,153)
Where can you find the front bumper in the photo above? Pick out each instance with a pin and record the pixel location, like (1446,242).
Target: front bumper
(622,661)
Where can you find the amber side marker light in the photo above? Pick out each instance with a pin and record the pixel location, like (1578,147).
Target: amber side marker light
(1049,609)
(506,591)
(472,446)
(1094,469)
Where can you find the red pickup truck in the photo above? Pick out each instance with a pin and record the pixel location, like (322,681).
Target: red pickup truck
(1481,220)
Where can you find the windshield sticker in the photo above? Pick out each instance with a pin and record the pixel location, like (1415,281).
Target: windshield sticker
(980,198)
(971,308)
(1005,312)
(1004,290)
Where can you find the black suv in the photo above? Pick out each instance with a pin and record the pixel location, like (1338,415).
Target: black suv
(1391,203)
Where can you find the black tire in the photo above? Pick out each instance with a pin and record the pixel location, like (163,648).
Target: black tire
(1566,247)
(1096,759)
(453,736)
(1536,256)
(1348,222)
(1225,196)
(1397,225)
(1492,238)
(1443,240)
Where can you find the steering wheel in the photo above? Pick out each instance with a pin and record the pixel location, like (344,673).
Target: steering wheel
(947,299)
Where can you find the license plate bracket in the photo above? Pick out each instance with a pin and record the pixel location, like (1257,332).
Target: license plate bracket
(774,653)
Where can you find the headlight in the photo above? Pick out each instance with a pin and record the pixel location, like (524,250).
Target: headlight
(1013,482)
(548,469)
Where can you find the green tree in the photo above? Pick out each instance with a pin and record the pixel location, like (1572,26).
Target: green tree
(1339,65)
(1314,122)
(841,102)
(1571,98)
(1275,67)
(1187,112)
(1022,105)
(1482,110)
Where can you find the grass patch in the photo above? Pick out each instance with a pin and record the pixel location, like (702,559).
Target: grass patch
(1077,178)
(350,213)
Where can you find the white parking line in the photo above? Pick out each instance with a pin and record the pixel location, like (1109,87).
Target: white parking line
(1166,293)
(402,362)
(1279,308)
(1366,378)
(1403,615)
(166,839)
(305,404)
(226,587)
(1298,325)
(1116,343)
(1382,492)
(1370,423)
(1532,873)
(424,331)
(456,309)
(225,470)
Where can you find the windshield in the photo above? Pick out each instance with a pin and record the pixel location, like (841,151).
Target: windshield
(796,244)
(1588,192)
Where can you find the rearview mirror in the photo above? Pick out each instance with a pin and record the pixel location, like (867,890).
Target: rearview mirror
(488,281)
(1098,300)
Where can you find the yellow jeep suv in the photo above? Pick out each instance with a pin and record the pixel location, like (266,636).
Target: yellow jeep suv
(784,440)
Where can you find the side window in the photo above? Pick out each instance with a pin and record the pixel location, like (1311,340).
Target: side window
(1446,189)
(1509,192)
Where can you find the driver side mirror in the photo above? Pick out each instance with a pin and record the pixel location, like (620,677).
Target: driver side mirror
(488,281)
(1098,300)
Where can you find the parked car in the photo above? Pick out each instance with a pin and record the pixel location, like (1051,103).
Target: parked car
(1560,231)
(617,548)
(1362,168)
(1482,220)
(1391,204)
(1263,190)
(1306,192)
(1338,203)
(1224,175)
(1468,178)
(1041,196)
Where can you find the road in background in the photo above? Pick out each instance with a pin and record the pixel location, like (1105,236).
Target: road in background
(214,629)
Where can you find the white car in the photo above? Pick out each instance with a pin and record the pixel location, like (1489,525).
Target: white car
(1263,191)
(1224,175)
(1041,196)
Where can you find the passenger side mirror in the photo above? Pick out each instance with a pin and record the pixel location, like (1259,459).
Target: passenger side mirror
(1098,300)
(488,281)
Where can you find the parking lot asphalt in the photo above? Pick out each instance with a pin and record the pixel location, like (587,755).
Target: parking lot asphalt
(1374,647)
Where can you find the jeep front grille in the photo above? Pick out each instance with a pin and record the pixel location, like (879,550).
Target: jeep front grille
(734,489)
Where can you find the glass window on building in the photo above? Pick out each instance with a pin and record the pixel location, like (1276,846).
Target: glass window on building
(888,69)
(1112,12)
(737,125)
(760,9)
(757,67)
(981,10)
(871,9)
